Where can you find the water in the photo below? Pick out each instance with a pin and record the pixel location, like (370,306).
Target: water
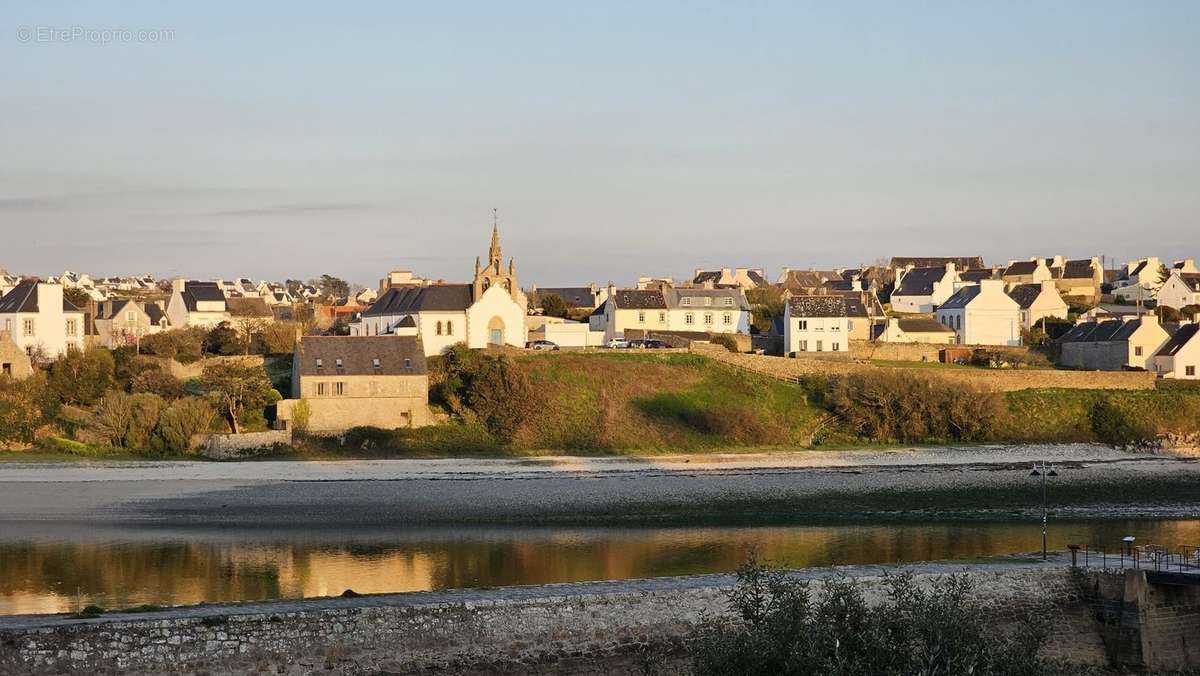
(50,571)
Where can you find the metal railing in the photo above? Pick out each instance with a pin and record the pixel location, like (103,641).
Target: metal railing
(1151,557)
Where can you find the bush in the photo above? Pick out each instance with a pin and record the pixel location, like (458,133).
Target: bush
(237,388)
(782,627)
(20,412)
(82,377)
(280,338)
(182,345)
(128,421)
(727,342)
(223,340)
(1113,425)
(182,420)
(488,388)
(159,382)
(901,407)
(301,415)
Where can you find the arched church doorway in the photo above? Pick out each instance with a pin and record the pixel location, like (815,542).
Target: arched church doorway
(496,331)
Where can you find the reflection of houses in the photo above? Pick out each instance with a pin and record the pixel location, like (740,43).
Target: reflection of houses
(1180,356)
(125,322)
(488,311)
(194,303)
(670,309)
(1112,345)
(347,382)
(38,318)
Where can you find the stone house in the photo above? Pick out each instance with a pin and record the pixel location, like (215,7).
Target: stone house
(1038,301)
(982,314)
(1180,290)
(922,290)
(14,363)
(671,309)
(1179,357)
(916,330)
(1034,271)
(195,303)
(1112,345)
(490,311)
(348,381)
(815,324)
(38,318)
(125,322)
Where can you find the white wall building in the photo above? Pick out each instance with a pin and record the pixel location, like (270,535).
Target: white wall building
(1180,290)
(1180,356)
(194,303)
(921,290)
(815,324)
(1038,302)
(982,314)
(692,310)
(38,318)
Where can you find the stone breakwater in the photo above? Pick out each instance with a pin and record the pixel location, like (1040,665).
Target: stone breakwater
(586,628)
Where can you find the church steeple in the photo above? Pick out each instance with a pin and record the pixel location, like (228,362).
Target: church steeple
(494,274)
(494,252)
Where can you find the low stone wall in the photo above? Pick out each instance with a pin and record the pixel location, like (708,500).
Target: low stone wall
(1002,380)
(196,368)
(588,628)
(869,349)
(233,446)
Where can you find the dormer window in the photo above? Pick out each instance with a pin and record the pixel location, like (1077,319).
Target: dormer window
(375,362)
(338,362)
(408,363)
(685,301)
(729,301)
(320,363)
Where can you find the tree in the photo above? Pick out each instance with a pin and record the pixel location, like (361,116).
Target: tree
(82,377)
(306,315)
(249,327)
(157,381)
(20,412)
(553,305)
(1190,311)
(181,421)
(766,304)
(280,338)
(332,287)
(235,387)
(223,340)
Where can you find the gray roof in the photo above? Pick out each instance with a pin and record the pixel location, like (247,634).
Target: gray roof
(1079,269)
(798,280)
(817,306)
(919,281)
(922,325)
(1101,332)
(24,298)
(640,299)
(1021,268)
(1177,341)
(1191,279)
(358,354)
(977,275)
(1025,294)
(674,298)
(195,292)
(410,299)
(960,262)
(154,312)
(961,298)
(573,296)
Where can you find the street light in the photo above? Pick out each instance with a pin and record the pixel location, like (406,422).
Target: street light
(1043,470)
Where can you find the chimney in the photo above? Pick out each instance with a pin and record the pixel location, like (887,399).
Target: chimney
(991,286)
(177,285)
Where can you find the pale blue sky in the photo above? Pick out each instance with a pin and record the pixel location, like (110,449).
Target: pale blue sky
(292,139)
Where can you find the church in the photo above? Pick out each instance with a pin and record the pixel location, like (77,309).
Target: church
(488,311)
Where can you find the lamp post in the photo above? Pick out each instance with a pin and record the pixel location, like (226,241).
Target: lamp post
(1043,470)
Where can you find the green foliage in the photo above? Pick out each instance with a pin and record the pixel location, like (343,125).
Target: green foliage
(727,342)
(1116,426)
(235,387)
(21,413)
(1190,312)
(82,377)
(183,345)
(553,305)
(182,420)
(766,304)
(783,627)
(483,387)
(280,338)
(157,381)
(332,287)
(1168,314)
(301,415)
(224,340)
(128,421)
(889,407)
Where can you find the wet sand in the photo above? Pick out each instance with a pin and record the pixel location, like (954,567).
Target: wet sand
(385,493)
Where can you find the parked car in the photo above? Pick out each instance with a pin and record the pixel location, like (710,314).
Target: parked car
(654,344)
(541,345)
(618,344)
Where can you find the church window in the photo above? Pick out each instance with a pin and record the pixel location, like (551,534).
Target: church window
(439,328)
(449,328)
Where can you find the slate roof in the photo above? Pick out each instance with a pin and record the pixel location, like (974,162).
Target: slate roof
(960,262)
(919,281)
(24,298)
(798,280)
(922,325)
(707,276)
(409,299)
(758,279)
(1101,332)
(1191,279)
(674,298)
(855,306)
(1081,269)
(977,275)
(817,306)
(961,298)
(196,292)
(1025,294)
(154,312)
(640,299)
(357,354)
(1177,341)
(1021,268)
(573,296)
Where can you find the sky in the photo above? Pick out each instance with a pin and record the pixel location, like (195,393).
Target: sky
(292,139)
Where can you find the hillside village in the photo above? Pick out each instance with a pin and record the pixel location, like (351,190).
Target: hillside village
(360,354)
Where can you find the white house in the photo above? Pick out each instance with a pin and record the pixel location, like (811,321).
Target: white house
(815,324)
(1033,271)
(982,314)
(488,311)
(1140,280)
(1179,357)
(126,322)
(38,318)
(1180,290)
(920,290)
(678,310)
(194,303)
(1038,302)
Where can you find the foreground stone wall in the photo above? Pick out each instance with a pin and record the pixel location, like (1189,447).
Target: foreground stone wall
(1002,380)
(592,628)
(231,446)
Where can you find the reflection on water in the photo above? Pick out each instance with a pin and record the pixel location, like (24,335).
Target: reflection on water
(39,575)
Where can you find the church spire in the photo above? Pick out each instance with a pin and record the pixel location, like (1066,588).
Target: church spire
(494,252)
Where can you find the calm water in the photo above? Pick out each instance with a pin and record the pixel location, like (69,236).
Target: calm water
(44,572)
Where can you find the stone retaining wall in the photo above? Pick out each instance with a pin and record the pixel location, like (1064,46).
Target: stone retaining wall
(588,628)
(232,446)
(1003,380)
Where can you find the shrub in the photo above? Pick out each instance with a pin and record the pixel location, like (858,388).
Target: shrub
(782,627)
(488,388)
(280,338)
(236,387)
(1113,425)
(301,414)
(127,421)
(157,381)
(82,377)
(224,340)
(180,421)
(182,345)
(904,408)
(727,342)
(20,412)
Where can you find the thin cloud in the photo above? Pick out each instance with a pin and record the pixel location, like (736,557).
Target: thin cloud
(288,209)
